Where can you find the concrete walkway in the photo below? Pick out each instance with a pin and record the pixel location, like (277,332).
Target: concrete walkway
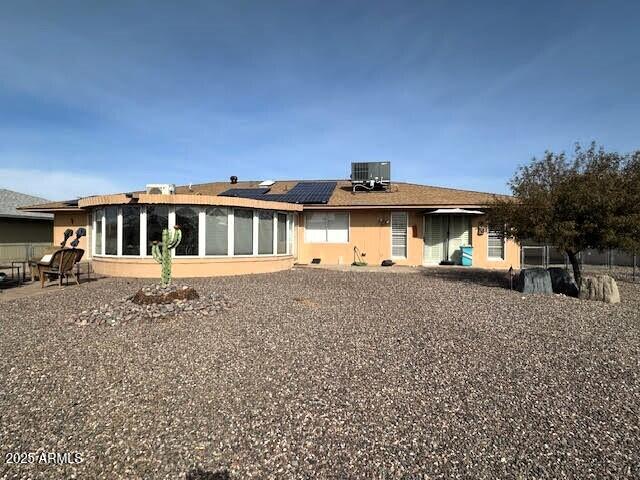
(32,289)
(399,268)
(368,268)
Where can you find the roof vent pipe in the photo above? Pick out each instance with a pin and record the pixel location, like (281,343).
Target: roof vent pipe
(233,179)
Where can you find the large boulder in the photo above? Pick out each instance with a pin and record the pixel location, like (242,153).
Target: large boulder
(535,280)
(599,287)
(562,282)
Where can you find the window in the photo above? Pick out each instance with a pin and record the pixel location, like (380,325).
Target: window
(496,243)
(187,220)
(157,220)
(316,228)
(282,233)
(265,232)
(111,229)
(327,227)
(216,229)
(130,230)
(98,234)
(290,234)
(124,230)
(243,232)
(399,234)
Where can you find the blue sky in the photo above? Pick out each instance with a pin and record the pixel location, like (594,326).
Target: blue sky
(98,97)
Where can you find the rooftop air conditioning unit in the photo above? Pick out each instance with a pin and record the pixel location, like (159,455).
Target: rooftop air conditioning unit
(370,175)
(161,188)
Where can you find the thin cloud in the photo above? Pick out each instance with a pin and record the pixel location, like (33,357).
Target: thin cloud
(56,185)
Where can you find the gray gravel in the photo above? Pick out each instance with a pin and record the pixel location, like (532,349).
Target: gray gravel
(316,374)
(125,309)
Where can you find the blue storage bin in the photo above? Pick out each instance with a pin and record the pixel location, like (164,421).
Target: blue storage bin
(466,255)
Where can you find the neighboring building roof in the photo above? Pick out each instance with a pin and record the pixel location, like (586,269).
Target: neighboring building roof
(10,201)
(398,194)
(65,205)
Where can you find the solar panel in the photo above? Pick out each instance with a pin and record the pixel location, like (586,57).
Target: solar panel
(310,192)
(303,192)
(254,193)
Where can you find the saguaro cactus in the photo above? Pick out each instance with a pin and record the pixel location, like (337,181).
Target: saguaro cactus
(162,252)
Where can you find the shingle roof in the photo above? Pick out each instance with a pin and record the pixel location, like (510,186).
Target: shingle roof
(59,205)
(399,193)
(10,200)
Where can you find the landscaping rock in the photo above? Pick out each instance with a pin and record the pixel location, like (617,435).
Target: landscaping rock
(165,295)
(154,302)
(535,280)
(562,282)
(599,287)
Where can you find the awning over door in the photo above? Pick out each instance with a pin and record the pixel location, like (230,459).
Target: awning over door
(449,211)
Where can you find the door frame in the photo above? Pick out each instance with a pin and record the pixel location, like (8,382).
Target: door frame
(425,219)
(446,237)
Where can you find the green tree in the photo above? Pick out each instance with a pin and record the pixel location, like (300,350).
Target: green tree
(590,200)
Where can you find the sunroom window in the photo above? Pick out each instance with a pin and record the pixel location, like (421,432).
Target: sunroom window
(187,220)
(130,230)
(98,234)
(206,231)
(217,231)
(282,233)
(111,229)
(265,232)
(157,220)
(243,232)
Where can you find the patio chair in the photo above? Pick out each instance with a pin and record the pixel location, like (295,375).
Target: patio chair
(61,265)
(43,254)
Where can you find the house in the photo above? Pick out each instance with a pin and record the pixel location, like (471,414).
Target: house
(263,226)
(19,226)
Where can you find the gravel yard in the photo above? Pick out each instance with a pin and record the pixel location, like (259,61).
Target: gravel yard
(318,374)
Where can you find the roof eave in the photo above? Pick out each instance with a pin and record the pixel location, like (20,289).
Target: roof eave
(394,206)
(26,217)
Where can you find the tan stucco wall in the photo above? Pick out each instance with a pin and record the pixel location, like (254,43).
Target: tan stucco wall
(190,267)
(24,230)
(480,245)
(370,231)
(62,221)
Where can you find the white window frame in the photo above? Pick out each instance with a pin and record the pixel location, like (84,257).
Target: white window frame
(406,234)
(275,234)
(198,210)
(121,231)
(203,232)
(504,247)
(326,242)
(144,231)
(290,230)
(171,223)
(254,234)
(94,229)
(118,232)
(230,231)
(290,233)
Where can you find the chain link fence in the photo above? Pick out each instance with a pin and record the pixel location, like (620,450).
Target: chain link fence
(625,264)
